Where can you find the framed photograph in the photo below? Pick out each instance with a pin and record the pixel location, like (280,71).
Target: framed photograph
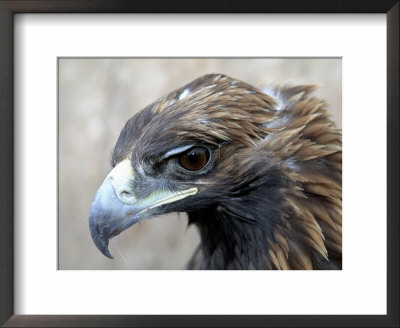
(167,242)
(74,73)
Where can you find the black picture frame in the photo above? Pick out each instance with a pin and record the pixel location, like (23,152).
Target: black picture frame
(10,7)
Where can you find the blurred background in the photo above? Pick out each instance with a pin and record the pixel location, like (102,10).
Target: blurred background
(96,97)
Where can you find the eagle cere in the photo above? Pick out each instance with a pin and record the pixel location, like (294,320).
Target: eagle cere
(259,173)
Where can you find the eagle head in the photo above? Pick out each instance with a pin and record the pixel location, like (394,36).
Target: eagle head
(258,172)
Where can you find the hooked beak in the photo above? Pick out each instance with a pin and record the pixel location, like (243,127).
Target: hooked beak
(115,207)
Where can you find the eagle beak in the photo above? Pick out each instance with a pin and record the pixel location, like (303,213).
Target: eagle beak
(115,207)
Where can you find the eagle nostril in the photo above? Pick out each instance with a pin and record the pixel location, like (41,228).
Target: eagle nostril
(126,195)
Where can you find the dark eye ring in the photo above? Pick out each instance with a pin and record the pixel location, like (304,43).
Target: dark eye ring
(194,159)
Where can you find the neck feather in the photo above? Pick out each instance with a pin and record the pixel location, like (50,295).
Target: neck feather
(260,231)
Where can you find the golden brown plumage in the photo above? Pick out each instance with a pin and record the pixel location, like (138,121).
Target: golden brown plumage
(269,196)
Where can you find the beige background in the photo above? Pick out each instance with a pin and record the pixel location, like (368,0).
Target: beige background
(97,97)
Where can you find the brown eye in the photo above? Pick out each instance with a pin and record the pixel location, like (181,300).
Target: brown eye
(194,159)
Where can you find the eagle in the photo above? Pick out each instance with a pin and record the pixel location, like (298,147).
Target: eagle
(259,172)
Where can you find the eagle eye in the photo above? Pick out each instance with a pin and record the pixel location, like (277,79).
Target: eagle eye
(194,159)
